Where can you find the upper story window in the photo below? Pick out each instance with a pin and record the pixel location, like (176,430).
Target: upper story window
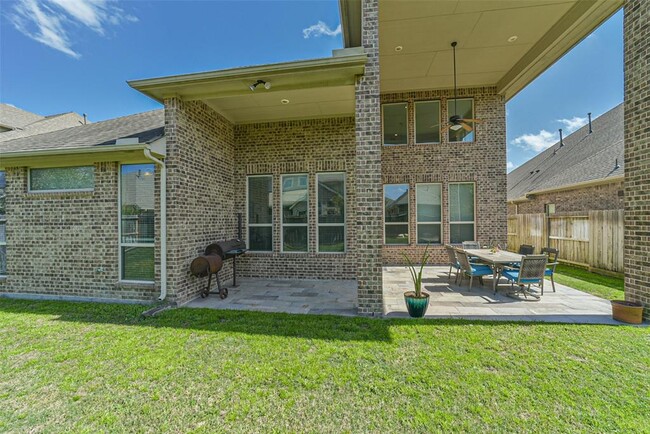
(461,212)
(395,123)
(427,122)
(396,214)
(295,213)
(57,179)
(260,213)
(3,225)
(137,222)
(331,212)
(463,107)
(428,203)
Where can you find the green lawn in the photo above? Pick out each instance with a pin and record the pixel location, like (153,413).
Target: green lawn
(74,367)
(610,288)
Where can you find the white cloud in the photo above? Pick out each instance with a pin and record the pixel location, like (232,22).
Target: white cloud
(49,21)
(510,165)
(536,142)
(570,125)
(320,29)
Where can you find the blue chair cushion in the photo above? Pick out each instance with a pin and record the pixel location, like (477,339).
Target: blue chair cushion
(480,270)
(548,272)
(514,276)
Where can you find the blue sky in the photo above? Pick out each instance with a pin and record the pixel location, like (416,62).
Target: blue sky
(75,55)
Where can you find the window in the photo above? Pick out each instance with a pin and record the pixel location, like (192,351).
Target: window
(3,225)
(331,212)
(427,122)
(465,109)
(428,203)
(395,119)
(137,222)
(62,179)
(461,212)
(260,213)
(396,214)
(295,213)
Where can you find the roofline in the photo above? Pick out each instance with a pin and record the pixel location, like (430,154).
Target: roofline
(74,151)
(591,183)
(147,85)
(350,11)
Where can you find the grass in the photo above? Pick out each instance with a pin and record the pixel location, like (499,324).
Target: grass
(76,367)
(607,287)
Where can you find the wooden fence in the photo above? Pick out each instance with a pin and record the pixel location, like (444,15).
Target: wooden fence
(593,239)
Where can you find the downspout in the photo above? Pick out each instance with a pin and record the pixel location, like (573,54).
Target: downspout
(163,222)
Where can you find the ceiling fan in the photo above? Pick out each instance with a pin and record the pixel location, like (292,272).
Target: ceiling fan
(457,122)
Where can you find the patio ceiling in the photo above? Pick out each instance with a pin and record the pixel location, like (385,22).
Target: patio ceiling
(544,30)
(302,89)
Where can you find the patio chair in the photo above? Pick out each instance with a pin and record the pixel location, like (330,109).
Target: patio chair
(472,270)
(453,261)
(531,271)
(471,245)
(552,263)
(526,249)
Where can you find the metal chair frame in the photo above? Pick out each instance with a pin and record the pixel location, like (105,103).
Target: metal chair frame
(530,271)
(552,254)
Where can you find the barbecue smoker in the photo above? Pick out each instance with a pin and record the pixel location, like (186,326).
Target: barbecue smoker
(211,262)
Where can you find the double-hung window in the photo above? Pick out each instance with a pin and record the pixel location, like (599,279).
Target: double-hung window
(57,179)
(331,212)
(428,200)
(295,213)
(396,214)
(137,222)
(260,213)
(3,225)
(427,122)
(395,120)
(461,212)
(465,109)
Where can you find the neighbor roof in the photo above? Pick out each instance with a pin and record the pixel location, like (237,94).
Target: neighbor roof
(583,158)
(13,117)
(44,125)
(147,127)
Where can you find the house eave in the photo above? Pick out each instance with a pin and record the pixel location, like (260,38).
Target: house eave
(592,183)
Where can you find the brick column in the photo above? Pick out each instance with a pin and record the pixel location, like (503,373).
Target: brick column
(368,168)
(636,31)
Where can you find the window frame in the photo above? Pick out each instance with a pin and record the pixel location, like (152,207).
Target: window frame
(439,223)
(345,216)
(449,101)
(119,229)
(283,224)
(248,222)
(408,218)
(415,122)
(473,183)
(70,190)
(383,124)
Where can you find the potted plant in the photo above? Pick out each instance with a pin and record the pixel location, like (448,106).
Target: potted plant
(627,311)
(417,301)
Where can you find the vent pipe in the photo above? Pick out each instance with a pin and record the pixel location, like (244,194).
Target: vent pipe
(589,115)
(616,165)
(561,142)
(85,119)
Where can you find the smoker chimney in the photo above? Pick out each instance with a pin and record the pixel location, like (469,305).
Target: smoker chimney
(561,142)
(589,115)
(85,119)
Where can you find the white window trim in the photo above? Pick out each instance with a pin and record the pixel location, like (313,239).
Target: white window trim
(417,223)
(119,233)
(259,225)
(406,123)
(407,222)
(415,122)
(345,216)
(71,190)
(464,222)
(283,224)
(449,113)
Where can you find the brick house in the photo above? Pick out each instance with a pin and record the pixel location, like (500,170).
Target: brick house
(338,165)
(582,173)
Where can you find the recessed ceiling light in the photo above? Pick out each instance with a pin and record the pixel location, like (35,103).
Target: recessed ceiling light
(513,38)
(399,48)
(284,101)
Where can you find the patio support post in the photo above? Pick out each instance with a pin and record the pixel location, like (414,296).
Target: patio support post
(368,169)
(636,35)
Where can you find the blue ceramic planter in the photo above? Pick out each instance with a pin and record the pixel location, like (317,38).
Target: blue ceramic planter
(417,307)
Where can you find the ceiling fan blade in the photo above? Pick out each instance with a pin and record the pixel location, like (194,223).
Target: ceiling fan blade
(476,121)
(466,127)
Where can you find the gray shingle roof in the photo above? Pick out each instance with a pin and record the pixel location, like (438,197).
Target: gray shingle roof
(13,117)
(47,124)
(584,157)
(147,126)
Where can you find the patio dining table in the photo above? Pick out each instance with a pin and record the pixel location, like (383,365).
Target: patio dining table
(498,260)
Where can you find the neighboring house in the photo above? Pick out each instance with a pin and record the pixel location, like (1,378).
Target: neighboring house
(305,161)
(16,123)
(583,173)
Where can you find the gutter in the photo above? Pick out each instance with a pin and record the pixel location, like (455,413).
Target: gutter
(69,151)
(163,222)
(592,183)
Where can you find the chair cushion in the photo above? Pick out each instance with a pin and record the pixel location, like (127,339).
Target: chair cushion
(481,270)
(514,276)
(548,272)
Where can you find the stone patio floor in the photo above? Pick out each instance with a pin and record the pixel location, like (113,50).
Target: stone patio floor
(447,300)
